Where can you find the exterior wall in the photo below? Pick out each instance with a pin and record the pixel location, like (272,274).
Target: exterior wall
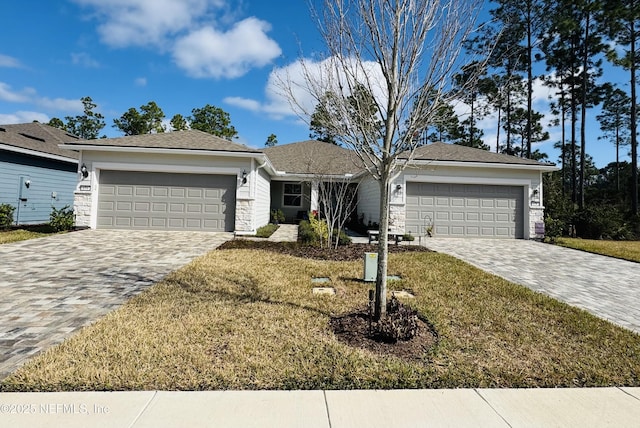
(262,209)
(51,185)
(87,188)
(277,196)
(369,201)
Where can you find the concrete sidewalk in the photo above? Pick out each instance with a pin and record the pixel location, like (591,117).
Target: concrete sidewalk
(592,407)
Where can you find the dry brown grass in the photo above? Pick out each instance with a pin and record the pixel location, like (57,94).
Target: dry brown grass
(8,236)
(627,250)
(246,319)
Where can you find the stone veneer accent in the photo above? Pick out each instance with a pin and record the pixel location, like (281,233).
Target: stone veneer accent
(82,208)
(397,217)
(536,214)
(244,216)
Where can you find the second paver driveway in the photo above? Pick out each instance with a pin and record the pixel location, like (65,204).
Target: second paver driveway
(53,286)
(604,286)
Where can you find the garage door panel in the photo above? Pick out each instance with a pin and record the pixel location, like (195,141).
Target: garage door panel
(465,210)
(141,222)
(168,201)
(160,192)
(124,191)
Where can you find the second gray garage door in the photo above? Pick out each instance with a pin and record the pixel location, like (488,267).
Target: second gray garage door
(155,200)
(465,210)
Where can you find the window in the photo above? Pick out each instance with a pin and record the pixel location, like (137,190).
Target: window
(292,196)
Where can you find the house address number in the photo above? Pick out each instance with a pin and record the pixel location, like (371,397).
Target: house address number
(85,188)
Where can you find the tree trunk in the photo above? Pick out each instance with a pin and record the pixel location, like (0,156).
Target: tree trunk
(380,310)
(529,79)
(583,109)
(634,138)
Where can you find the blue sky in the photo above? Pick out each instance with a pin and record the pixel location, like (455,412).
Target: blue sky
(182,54)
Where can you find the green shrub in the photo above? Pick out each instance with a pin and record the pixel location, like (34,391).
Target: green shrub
(553,228)
(266,230)
(62,219)
(343,238)
(277,216)
(408,237)
(306,234)
(6,215)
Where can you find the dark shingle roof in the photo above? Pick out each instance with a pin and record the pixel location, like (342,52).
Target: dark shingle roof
(313,157)
(37,137)
(187,140)
(457,153)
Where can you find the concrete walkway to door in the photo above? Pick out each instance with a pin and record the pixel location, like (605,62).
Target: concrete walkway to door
(51,287)
(604,286)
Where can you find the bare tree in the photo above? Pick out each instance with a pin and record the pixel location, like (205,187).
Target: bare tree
(402,52)
(337,198)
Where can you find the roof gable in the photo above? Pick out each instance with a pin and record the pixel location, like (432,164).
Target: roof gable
(191,139)
(37,138)
(313,157)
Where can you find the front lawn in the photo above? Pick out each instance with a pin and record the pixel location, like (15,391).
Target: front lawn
(8,236)
(627,250)
(247,319)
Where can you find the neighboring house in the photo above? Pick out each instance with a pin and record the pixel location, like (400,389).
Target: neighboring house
(190,180)
(299,169)
(36,174)
(182,180)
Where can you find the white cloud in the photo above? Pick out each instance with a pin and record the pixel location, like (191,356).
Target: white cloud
(9,95)
(200,34)
(9,62)
(209,52)
(23,117)
(301,100)
(141,81)
(30,96)
(145,22)
(244,103)
(84,59)
(60,104)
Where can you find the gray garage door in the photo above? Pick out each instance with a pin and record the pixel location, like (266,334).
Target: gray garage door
(465,210)
(154,200)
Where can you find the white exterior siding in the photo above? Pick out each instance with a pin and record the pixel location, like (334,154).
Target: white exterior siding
(369,200)
(262,208)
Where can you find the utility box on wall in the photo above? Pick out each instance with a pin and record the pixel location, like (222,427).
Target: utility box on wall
(370,267)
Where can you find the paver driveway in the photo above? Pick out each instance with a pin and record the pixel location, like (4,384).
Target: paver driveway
(604,286)
(53,286)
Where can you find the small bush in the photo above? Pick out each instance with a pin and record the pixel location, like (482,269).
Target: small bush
(343,238)
(306,234)
(62,219)
(553,228)
(277,216)
(408,237)
(6,215)
(401,323)
(266,230)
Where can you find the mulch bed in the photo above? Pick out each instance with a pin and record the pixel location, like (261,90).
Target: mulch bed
(353,328)
(343,253)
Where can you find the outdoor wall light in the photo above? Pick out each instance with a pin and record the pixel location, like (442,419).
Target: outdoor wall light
(244,176)
(84,171)
(398,187)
